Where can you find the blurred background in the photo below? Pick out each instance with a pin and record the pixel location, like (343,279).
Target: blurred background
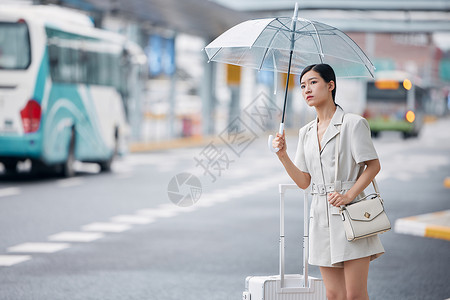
(163,87)
(103,102)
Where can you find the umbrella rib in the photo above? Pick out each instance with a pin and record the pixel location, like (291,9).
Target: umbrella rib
(215,54)
(357,53)
(274,63)
(278,20)
(266,27)
(279,30)
(239,60)
(267,50)
(299,30)
(321,55)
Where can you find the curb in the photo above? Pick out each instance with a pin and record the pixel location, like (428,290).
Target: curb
(433,225)
(195,141)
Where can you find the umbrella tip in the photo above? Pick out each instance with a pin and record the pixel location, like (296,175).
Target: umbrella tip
(296,10)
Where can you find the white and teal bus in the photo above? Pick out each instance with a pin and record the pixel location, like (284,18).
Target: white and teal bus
(63,89)
(395,101)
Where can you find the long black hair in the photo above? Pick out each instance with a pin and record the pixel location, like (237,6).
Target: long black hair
(326,72)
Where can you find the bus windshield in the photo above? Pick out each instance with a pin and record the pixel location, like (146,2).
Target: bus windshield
(386,94)
(14,46)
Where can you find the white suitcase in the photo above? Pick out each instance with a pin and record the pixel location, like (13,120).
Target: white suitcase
(286,287)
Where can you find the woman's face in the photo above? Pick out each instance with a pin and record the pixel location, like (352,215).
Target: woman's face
(315,90)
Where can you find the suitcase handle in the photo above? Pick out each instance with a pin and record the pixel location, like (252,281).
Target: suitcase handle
(282,189)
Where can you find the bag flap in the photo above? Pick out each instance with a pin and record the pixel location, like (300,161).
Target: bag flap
(365,210)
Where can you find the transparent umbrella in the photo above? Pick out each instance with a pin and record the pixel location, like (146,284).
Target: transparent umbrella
(288,45)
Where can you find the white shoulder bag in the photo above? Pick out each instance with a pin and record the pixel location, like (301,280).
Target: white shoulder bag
(365,217)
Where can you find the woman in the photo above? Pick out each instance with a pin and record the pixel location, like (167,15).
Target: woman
(344,265)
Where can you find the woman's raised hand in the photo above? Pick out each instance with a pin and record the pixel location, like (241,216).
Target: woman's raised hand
(280,142)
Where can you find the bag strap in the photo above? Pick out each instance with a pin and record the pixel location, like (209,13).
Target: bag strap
(337,183)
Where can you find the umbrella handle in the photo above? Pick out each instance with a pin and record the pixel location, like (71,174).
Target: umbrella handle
(269,141)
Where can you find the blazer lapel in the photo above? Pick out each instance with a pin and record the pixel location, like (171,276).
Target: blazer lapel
(333,129)
(313,143)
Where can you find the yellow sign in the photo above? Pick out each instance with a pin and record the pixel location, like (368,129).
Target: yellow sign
(387,84)
(233,75)
(291,80)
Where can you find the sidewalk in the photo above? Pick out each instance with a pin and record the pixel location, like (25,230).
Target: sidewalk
(192,141)
(195,141)
(433,225)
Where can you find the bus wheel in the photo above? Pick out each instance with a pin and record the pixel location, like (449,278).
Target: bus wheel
(67,167)
(375,134)
(406,135)
(10,166)
(105,166)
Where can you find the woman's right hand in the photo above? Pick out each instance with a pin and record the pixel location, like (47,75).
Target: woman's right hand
(280,142)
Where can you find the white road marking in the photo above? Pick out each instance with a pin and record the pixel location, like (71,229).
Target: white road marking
(38,247)
(157,213)
(11,191)
(106,227)
(69,182)
(410,227)
(9,260)
(84,167)
(70,236)
(132,219)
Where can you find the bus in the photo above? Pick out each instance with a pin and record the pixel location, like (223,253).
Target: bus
(395,101)
(63,89)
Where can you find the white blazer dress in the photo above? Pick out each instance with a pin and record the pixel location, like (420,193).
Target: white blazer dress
(328,245)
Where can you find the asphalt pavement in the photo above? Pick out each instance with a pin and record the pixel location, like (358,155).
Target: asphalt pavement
(119,235)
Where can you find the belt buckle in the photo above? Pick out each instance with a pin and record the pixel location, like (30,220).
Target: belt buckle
(322,189)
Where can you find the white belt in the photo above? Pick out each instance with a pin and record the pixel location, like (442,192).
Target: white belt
(323,189)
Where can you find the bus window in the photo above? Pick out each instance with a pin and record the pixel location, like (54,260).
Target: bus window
(379,92)
(80,60)
(14,46)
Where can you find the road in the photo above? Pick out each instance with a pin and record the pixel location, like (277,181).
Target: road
(118,235)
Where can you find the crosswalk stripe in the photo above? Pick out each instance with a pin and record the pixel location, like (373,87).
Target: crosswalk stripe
(132,219)
(85,167)
(157,213)
(71,236)
(38,247)
(106,227)
(9,260)
(11,191)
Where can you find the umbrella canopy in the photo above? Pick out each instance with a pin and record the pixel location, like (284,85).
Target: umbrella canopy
(265,44)
(288,45)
